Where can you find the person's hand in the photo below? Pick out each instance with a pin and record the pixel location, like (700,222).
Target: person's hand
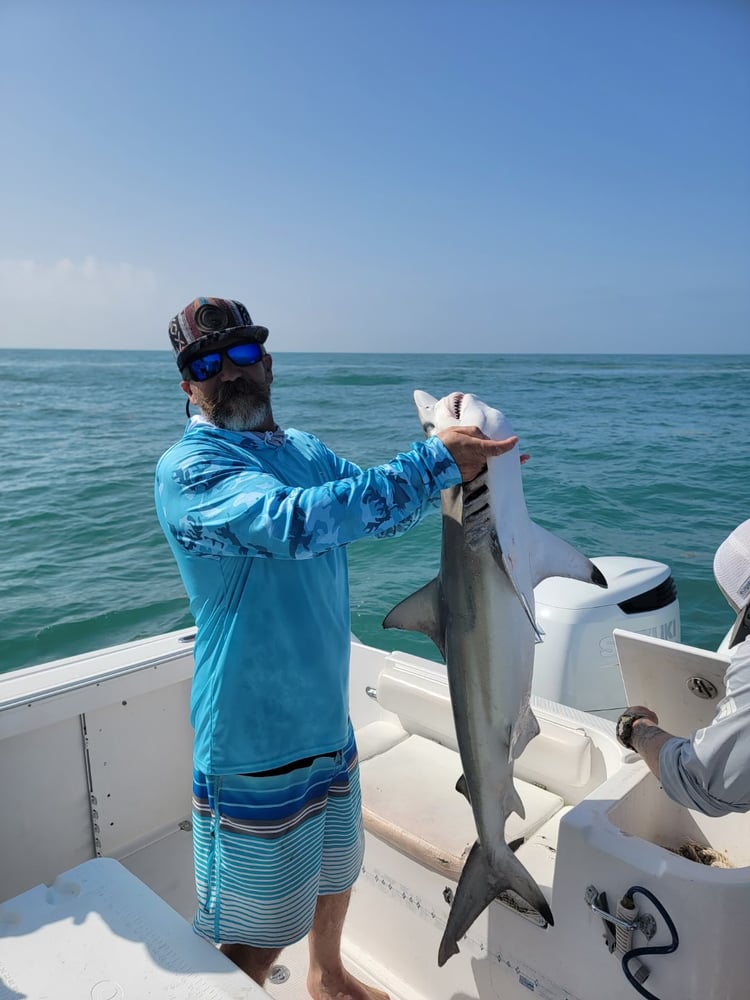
(642,710)
(470,449)
(629,720)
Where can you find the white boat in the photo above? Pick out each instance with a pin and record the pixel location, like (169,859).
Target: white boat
(95,843)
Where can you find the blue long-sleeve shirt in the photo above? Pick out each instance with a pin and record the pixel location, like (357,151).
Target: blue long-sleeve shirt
(258,524)
(710,771)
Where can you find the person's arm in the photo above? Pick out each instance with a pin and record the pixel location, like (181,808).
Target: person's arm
(213,507)
(710,771)
(647,738)
(344,469)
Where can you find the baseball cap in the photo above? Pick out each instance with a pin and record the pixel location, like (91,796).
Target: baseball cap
(732,572)
(206,324)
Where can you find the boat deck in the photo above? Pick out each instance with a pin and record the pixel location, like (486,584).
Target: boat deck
(166,866)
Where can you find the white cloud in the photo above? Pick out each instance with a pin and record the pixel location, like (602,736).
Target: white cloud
(71,304)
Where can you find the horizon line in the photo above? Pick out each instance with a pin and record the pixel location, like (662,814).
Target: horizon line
(656,354)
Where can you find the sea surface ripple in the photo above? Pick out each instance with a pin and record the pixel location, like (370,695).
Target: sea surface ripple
(631,455)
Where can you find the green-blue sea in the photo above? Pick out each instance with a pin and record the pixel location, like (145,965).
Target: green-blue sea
(631,455)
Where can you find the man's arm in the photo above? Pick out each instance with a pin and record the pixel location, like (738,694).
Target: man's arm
(710,771)
(468,448)
(676,771)
(647,738)
(213,507)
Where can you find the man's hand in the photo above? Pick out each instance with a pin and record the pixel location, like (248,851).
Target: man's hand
(470,449)
(642,710)
(646,736)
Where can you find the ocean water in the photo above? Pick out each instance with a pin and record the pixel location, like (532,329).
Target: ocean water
(631,455)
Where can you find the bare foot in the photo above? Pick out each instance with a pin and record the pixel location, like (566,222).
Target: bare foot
(345,988)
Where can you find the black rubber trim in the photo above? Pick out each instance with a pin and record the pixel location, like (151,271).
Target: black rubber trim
(651,600)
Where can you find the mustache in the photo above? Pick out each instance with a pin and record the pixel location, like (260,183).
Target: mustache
(239,389)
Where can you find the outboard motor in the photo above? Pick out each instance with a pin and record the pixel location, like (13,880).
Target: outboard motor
(576,664)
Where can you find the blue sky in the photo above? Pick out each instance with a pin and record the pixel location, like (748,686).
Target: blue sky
(457,176)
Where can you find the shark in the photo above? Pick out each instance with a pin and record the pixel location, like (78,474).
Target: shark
(479,611)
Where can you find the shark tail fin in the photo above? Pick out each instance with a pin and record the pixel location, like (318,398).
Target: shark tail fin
(420,612)
(479,884)
(551,556)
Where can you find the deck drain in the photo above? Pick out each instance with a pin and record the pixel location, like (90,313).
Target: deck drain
(279,974)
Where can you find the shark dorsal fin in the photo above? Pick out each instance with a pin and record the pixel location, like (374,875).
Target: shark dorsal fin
(420,612)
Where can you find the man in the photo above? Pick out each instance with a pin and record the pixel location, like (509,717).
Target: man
(258,519)
(710,771)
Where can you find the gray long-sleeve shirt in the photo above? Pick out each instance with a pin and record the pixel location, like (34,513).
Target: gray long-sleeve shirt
(710,771)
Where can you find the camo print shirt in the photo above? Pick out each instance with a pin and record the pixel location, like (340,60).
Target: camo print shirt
(710,771)
(259,525)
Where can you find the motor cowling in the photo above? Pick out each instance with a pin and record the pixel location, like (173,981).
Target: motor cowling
(576,663)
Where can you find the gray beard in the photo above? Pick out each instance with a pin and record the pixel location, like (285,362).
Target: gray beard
(240,407)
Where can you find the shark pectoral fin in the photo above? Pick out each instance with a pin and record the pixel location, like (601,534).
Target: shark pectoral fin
(420,612)
(463,789)
(524,730)
(551,556)
(503,562)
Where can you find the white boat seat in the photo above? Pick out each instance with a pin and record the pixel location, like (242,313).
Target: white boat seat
(378,737)
(410,801)
(559,758)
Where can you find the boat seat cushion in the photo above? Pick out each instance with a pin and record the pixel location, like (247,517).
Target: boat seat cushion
(377,737)
(409,791)
(560,757)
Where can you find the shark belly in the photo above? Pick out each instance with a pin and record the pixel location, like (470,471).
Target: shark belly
(489,655)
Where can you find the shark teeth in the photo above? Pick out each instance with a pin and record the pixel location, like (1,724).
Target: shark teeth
(454,402)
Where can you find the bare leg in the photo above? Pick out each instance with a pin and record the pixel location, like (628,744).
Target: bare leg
(327,978)
(254,962)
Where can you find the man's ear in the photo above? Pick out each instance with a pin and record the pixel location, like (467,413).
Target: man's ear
(187,388)
(268,365)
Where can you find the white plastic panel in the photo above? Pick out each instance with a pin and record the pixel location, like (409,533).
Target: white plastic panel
(140,754)
(664,676)
(46,822)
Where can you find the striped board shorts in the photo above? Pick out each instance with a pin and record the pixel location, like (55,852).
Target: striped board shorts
(267,845)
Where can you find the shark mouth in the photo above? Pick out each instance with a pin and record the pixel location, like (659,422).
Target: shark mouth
(454,404)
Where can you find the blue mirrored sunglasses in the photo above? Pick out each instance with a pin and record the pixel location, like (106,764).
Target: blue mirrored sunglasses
(209,365)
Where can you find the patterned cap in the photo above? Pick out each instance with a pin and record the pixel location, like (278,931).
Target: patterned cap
(207,323)
(732,572)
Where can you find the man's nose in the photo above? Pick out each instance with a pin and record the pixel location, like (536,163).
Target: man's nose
(229,370)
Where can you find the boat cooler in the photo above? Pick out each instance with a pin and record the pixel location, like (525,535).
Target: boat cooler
(98,933)
(576,663)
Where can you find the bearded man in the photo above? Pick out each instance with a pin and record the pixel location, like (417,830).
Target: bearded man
(258,518)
